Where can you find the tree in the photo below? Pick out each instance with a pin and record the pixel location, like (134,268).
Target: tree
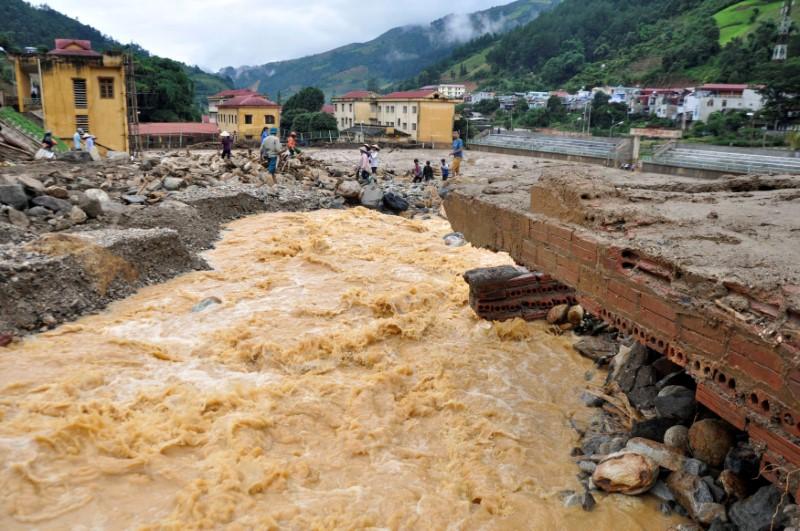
(487,106)
(372,85)
(166,94)
(463,71)
(302,122)
(279,98)
(310,98)
(781,96)
(322,121)
(288,117)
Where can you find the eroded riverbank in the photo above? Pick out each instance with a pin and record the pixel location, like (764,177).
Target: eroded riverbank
(341,382)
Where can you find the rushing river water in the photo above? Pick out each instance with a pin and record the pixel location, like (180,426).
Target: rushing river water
(342,382)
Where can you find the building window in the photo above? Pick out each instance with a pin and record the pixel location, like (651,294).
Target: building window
(710,103)
(79,92)
(82,122)
(724,103)
(405,109)
(351,107)
(248,137)
(336,107)
(398,122)
(414,109)
(269,119)
(413,127)
(107,88)
(248,119)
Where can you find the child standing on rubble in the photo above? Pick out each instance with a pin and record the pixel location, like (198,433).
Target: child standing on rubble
(373,159)
(427,171)
(445,170)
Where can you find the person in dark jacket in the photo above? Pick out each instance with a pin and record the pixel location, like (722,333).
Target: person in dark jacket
(427,171)
(227,144)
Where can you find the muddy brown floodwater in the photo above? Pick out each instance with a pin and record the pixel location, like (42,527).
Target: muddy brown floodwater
(342,382)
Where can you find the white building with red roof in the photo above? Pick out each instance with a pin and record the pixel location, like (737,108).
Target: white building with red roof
(221,97)
(721,97)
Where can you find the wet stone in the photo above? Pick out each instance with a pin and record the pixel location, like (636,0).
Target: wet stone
(13,195)
(676,402)
(743,461)
(710,440)
(52,203)
(677,437)
(756,512)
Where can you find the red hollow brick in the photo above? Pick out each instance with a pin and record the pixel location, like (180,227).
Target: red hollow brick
(585,250)
(780,445)
(758,353)
(756,371)
(547,259)
(721,406)
(624,290)
(529,254)
(658,306)
(622,304)
(556,231)
(709,346)
(659,323)
(538,231)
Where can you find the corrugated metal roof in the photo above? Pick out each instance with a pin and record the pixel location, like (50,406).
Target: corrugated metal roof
(734,87)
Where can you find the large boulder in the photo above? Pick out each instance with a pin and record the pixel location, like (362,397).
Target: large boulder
(762,511)
(92,207)
(694,495)
(710,440)
(53,203)
(677,437)
(626,473)
(349,189)
(371,196)
(14,196)
(676,402)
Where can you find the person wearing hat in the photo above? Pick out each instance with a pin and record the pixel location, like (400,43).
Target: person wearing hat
(270,149)
(88,141)
(227,144)
(364,165)
(373,158)
(76,139)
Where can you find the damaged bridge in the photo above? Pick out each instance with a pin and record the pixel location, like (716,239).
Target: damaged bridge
(705,272)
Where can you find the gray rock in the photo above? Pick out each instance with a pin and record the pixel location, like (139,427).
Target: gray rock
(77,216)
(172,183)
(31,183)
(58,191)
(38,211)
(205,303)
(626,365)
(587,466)
(677,437)
(662,492)
(74,156)
(644,391)
(663,455)
(597,348)
(676,402)
(716,491)
(92,207)
(13,195)
(53,203)
(743,461)
(694,495)
(653,429)
(134,199)
(18,219)
(98,195)
(756,512)
(371,196)
(591,400)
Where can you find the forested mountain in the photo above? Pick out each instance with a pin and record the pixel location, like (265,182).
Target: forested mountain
(396,55)
(585,43)
(169,90)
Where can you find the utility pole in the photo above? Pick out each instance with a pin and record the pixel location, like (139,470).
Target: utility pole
(781,51)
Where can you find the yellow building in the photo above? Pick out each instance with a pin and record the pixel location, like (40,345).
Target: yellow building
(425,115)
(245,116)
(74,86)
(358,107)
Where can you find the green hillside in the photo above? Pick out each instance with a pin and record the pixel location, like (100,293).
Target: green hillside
(741,19)
(182,88)
(398,54)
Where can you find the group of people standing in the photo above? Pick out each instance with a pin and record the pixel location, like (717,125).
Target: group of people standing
(368,166)
(425,173)
(88,141)
(271,148)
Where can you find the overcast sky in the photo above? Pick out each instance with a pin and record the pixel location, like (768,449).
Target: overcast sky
(218,33)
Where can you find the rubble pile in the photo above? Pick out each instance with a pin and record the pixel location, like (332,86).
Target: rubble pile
(57,196)
(649,434)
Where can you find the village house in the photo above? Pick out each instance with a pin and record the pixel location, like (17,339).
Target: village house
(246,115)
(73,86)
(720,97)
(221,97)
(449,91)
(477,97)
(424,114)
(355,107)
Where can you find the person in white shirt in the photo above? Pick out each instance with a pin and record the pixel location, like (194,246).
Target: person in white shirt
(365,165)
(373,159)
(76,140)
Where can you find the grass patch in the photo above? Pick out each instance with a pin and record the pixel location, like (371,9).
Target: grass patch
(740,19)
(31,128)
